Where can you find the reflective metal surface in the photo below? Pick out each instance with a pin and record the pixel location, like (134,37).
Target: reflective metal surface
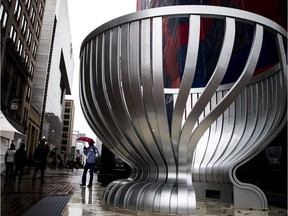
(214,129)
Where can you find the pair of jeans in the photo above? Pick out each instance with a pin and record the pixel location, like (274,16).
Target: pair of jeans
(9,171)
(90,167)
(39,165)
(19,169)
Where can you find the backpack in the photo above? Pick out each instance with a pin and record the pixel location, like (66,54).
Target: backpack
(91,155)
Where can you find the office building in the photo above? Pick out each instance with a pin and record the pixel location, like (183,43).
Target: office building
(53,71)
(67,134)
(36,68)
(21,23)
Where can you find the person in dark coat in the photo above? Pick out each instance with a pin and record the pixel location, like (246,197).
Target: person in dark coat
(40,160)
(20,161)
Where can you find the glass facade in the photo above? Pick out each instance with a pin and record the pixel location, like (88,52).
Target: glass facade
(53,71)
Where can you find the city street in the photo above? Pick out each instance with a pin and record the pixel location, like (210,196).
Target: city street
(61,195)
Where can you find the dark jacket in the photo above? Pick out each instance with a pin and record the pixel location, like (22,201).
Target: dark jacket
(21,156)
(40,154)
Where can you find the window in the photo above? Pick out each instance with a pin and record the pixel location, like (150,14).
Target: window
(31,69)
(37,29)
(1,11)
(19,47)
(26,57)
(25,116)
(32,15)
(3,16)
(18,15)
(11,31)
(28,4)
(41,9)
(35,47)
(24,25)
(16,6)
(22,21)
(29,37)
(13,34)
(31,12)
(28,95)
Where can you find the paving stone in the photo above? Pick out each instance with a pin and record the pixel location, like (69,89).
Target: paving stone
(82,201)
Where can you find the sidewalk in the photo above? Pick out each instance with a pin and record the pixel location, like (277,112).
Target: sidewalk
(61,195)
(18,199)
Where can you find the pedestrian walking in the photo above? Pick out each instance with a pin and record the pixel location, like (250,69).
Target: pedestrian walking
(10,161)
(77,162)
(20,161)
(90,153)
(40,160)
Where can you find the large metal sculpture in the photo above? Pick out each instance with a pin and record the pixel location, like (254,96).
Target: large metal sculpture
(177,152)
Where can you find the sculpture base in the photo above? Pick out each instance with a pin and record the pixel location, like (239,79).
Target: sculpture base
(157,197)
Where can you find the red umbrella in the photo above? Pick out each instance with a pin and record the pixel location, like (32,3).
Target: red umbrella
(86,139)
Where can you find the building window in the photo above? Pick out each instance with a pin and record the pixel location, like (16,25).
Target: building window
(19,47)
(41,9)
(1,10)
(3,16)
(35,47)
(28,95)
(28,4)
(23,24)
(26,57)
(29,37)
(33,16)
(18,15)
(17,10)
(25,116)
(16,6)
(31,69)
(13,34)
(37,29)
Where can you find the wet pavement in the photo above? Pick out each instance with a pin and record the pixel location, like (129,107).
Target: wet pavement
(60,184)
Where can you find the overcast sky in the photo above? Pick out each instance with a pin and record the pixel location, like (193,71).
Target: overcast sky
(85,16)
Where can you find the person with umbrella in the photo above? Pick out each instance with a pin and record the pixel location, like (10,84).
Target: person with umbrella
(90,153)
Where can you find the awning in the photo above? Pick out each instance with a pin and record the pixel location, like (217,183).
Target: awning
(8,131)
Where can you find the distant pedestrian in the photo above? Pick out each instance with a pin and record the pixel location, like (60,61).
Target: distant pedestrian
(90,153)
(40,160)
(70,165)
(10,161)
(20,161)
(77,162)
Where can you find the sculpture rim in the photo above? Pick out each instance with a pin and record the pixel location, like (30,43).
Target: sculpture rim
(185,10)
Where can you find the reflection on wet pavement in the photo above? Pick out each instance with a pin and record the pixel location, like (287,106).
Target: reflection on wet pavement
(87,201)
